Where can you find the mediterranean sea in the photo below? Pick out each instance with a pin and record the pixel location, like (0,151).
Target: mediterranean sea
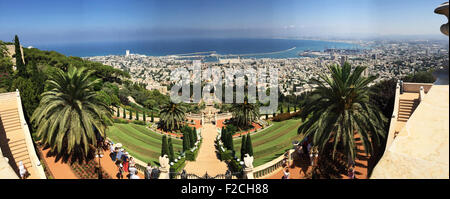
(263,48)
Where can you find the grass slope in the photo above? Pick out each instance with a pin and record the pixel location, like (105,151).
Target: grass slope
(271,142)
(139,141)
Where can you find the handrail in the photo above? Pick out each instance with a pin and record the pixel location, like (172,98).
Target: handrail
(391,132)
(29,142)
(271,167)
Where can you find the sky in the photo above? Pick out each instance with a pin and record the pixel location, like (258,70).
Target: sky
(101,20)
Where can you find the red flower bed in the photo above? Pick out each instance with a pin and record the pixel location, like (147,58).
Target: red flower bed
(88,170)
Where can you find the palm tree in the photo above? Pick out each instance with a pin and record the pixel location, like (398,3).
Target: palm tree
(69,115)
(245,113)
(339,108)
(171,116)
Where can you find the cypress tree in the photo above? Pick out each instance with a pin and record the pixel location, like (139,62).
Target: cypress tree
(152,118)
(137,114)
(222,135)
(281,108)
(267,116)
(243,147)
(144,117)
(249,146)
(288,108)
(124,113)
(230,142)
(164,147)
(186,141)
(171,153)
(20,66)
(131,115)
(118,111)
(192,136)
(295,108)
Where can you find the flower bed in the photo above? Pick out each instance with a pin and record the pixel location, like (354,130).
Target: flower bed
(87,170)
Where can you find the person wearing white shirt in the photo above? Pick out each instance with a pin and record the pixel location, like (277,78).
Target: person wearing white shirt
(134,174)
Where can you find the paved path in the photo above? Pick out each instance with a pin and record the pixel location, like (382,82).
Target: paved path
(58,168)
(207,159)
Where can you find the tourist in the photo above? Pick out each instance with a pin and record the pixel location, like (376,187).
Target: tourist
(111,147)
(148,171)
(286,173)
(119,154)
(22,170)
(351,173)
(155,173)
(133,175)
(125,161)
(120,167)
(131,170)
(114,154)
(132,163)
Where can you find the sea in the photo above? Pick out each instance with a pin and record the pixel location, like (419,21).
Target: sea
(246,48)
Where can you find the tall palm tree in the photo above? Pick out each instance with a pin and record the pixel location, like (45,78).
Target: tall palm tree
(245,113)
(339,108)
(171,116)
(69,115)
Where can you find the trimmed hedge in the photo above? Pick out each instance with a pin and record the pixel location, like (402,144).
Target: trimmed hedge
(139,122)
(191,156)
(120,121)
(285,116)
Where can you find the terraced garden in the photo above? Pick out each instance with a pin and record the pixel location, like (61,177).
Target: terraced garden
(139,141)
(271,142)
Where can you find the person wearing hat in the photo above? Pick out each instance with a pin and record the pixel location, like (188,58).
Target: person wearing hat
(119,154)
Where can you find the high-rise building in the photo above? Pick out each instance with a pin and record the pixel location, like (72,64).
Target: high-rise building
(127,53)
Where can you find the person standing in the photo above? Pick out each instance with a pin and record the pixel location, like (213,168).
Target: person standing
(148,171)
(286,173)
(125,161)
(133,175)
(22,170)
(120,167)
(351,173)
(119,154)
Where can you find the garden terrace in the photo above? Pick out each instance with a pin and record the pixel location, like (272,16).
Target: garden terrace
(139,141)
(271,142)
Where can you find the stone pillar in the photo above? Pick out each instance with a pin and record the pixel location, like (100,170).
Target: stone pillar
(164,168)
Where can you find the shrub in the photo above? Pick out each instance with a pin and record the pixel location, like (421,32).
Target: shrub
(281,117)
(139,122)
(121,121)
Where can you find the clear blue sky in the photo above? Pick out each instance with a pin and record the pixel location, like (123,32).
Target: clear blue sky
(97,20)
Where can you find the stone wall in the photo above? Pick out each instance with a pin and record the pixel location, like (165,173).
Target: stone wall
(415,87)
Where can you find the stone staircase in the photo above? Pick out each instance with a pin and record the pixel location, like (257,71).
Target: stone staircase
(10,125)
(406,108)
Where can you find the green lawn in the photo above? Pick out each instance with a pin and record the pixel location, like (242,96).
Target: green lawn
(271,142)
(139,141)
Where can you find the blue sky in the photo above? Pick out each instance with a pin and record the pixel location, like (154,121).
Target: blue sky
(98,20)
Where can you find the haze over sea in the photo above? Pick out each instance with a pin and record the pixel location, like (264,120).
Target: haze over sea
(181,46)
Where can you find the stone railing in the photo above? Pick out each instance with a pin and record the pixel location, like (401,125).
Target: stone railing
(391,133)
(35,162)
(224,116)
(272,166)
(415,87)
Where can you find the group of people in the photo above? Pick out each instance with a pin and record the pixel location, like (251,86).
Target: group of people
(123,161)
(126,163)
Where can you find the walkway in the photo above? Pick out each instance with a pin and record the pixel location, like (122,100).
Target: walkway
(58,169)
(207,159)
